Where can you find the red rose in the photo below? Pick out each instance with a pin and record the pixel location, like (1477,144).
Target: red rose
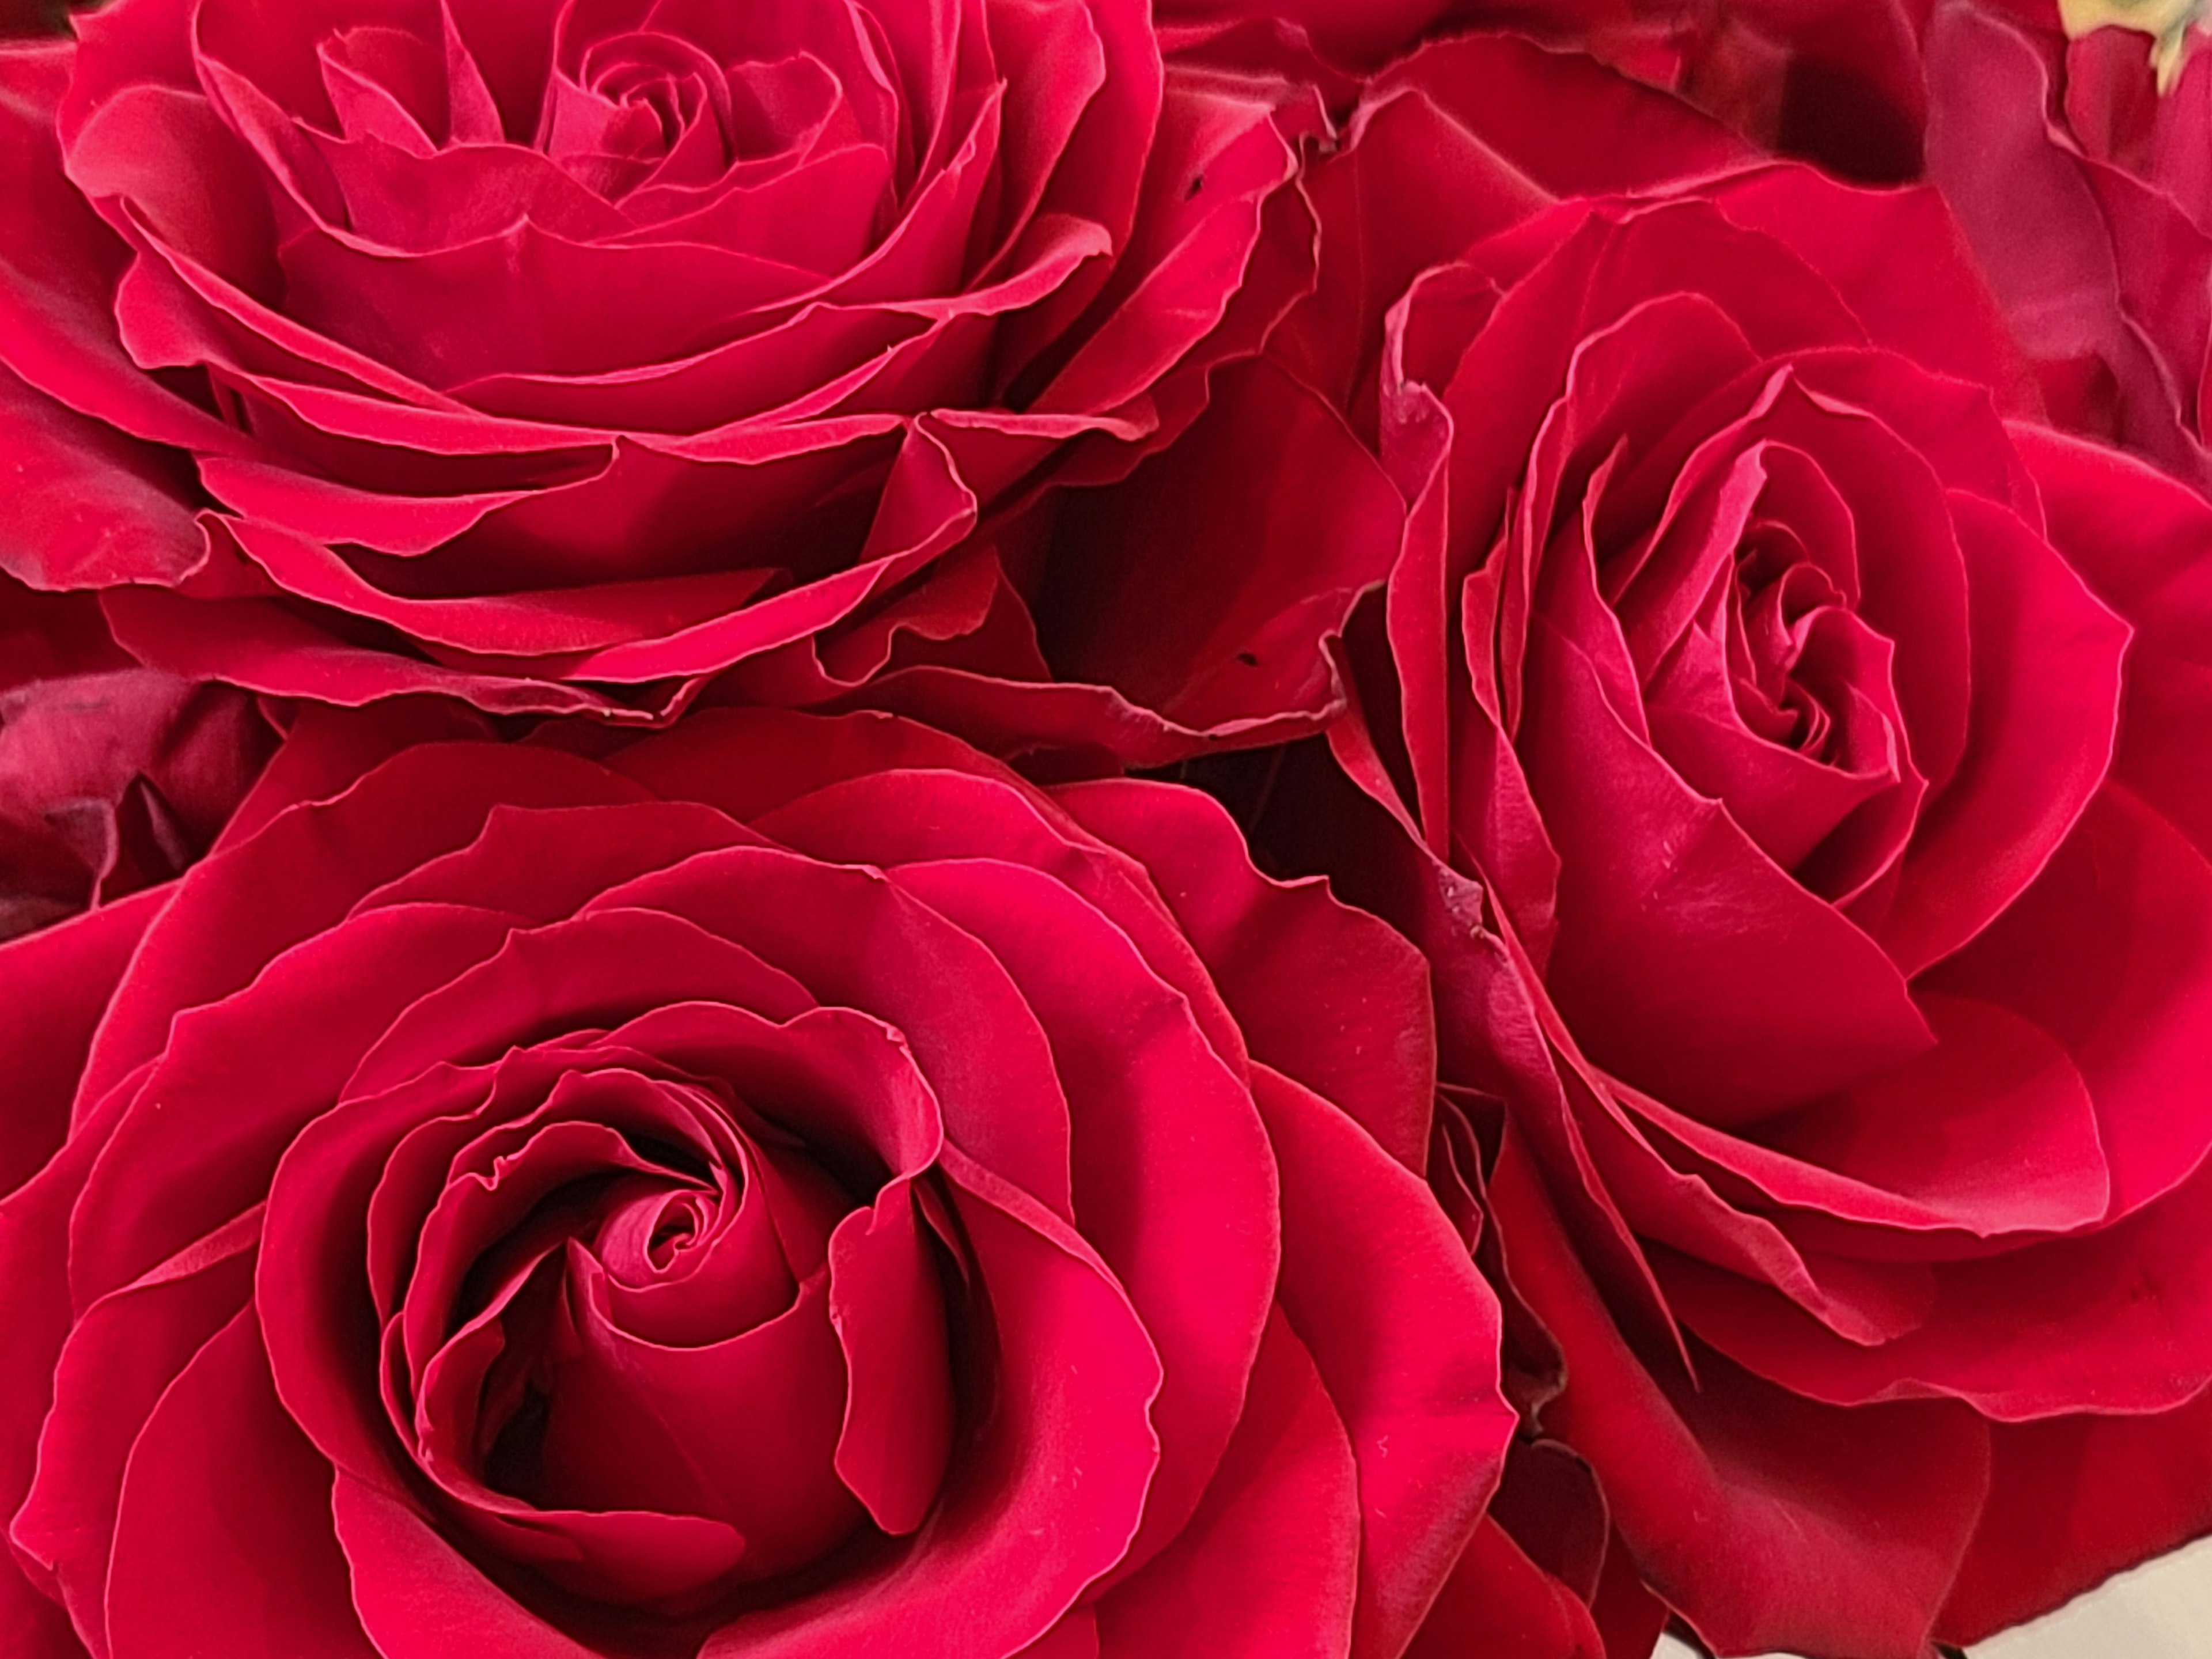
(1789,755)
(787,1187)
(571,361)
(112,776)
(2080,171)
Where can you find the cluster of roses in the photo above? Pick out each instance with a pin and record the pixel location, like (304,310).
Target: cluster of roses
(675,675)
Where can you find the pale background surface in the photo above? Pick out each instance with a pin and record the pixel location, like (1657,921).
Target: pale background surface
(2163,1611)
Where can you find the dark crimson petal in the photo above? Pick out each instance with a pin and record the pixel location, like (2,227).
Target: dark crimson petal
(1280,954)
(1101,176)
(258,644)
(1269,1564)
(320,1334)
(58,329)
(2073,1499)
(1499,1603)
(546,863)
(1766,1520)
(1405,1333)
(1220,154)
(845,1081)
(1130,598)
(793,755)
(327,750)
(1412,186)
(54,988)
(224,1523)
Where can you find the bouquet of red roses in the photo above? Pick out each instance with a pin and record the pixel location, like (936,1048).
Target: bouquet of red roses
(1100,829)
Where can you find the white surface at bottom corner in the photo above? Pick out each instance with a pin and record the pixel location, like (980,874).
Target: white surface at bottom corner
(2162,1611)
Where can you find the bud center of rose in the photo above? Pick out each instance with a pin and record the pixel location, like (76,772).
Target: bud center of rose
(1764,687)
(620,1309)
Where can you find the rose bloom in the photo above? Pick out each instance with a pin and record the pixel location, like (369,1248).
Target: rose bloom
(783,1187)
(2081,169)
(562,357)
(113,777)
(1788,751)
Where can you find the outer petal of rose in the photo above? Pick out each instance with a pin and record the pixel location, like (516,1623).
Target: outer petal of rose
(1814,1529)
(57,321)
(259,644)
(918,812)
(1179,1198)
(615,963)
(120,1358)
(2147,562)
(223,1534)
(34,1304)
(1571,124)
(1929,301)
(1411,187)
(547,862)
(1268,1565)
(1075,1637)
(1405,1332)
(2073,1499)
(326,750)
(88,507)
(1100,175)
(1280,955)
(218,932)
(242,1076)
(54,989)
(2034,221)
(1218,154)
(1502,1605)
(2118,1319)
(1364,34)
(967,661)
(2111,953)
(1992,1132)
